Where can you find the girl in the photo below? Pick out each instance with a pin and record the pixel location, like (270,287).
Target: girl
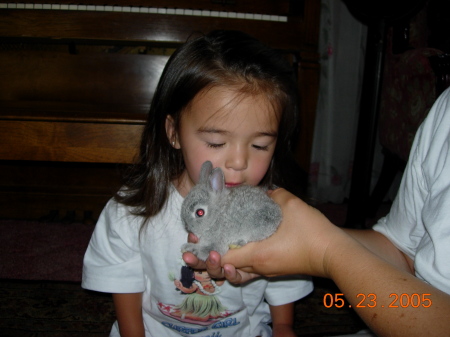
(226,98)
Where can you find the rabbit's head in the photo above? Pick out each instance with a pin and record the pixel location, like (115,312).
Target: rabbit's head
(200,205)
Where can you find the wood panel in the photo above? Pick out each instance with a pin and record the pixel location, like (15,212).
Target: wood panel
(98,78)
(70,142)
(32,190)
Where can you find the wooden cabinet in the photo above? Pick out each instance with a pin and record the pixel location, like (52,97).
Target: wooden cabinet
(76,82)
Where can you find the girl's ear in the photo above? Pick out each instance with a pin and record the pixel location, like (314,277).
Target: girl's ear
(171,132)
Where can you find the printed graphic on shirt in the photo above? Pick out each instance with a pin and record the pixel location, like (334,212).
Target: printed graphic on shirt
(200,305)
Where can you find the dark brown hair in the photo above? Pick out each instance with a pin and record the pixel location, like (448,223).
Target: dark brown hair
(218,58)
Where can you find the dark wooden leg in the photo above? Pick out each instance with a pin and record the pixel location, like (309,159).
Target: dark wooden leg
(391,165)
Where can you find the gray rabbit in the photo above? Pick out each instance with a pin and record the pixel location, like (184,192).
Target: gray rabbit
(224,218)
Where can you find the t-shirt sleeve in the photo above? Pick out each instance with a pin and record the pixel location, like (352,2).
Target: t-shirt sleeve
(112,262)
(419,211)
(287,289)
(402,225)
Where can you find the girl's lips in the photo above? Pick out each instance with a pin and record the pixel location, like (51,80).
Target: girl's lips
(232,184)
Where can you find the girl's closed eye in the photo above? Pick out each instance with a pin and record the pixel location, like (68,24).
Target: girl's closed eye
(261,147)
(215,145)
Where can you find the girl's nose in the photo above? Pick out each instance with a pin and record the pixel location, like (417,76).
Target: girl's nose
(237,159)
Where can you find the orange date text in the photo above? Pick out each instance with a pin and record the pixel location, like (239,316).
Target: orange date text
(371,301)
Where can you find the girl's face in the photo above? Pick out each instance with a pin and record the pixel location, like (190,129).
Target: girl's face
(236,132)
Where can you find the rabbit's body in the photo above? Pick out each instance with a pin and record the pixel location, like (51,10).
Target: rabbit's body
(226,217)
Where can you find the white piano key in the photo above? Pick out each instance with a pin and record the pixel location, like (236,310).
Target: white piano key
(147,10)
(273,17)
(206,12)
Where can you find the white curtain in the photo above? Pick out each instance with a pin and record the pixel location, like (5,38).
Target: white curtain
(342,50)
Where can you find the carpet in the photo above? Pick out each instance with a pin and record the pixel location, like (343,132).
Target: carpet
(33,250)
(53,309)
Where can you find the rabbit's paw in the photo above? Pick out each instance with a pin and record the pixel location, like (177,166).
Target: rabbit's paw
(237,244)
(188,247)
(198,250)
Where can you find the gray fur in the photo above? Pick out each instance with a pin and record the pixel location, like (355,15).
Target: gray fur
(233,216)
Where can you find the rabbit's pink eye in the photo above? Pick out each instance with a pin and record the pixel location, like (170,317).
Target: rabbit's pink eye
(199,213)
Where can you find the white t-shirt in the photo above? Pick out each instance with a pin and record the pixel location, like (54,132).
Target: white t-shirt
(120,260)
(419,220)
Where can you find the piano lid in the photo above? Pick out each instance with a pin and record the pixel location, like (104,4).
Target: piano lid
(281,24)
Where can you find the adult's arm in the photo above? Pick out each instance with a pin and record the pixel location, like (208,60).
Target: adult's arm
(307,243)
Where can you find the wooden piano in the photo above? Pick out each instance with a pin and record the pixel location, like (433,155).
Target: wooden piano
(76,81)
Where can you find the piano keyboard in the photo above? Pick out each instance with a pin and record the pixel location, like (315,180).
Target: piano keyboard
(146,10)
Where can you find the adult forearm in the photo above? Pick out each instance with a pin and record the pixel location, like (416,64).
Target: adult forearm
(391,301)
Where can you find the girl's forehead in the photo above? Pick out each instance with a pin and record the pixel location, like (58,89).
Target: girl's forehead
(221,104)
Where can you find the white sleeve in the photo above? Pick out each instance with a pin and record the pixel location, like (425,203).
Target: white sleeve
(287,289)
(425,177)
(418,223)
(112,262)
(402,225)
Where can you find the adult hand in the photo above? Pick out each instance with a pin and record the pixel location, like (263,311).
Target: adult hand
(298,246)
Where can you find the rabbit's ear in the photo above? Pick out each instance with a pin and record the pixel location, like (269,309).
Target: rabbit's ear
(205,171)
(217,180)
